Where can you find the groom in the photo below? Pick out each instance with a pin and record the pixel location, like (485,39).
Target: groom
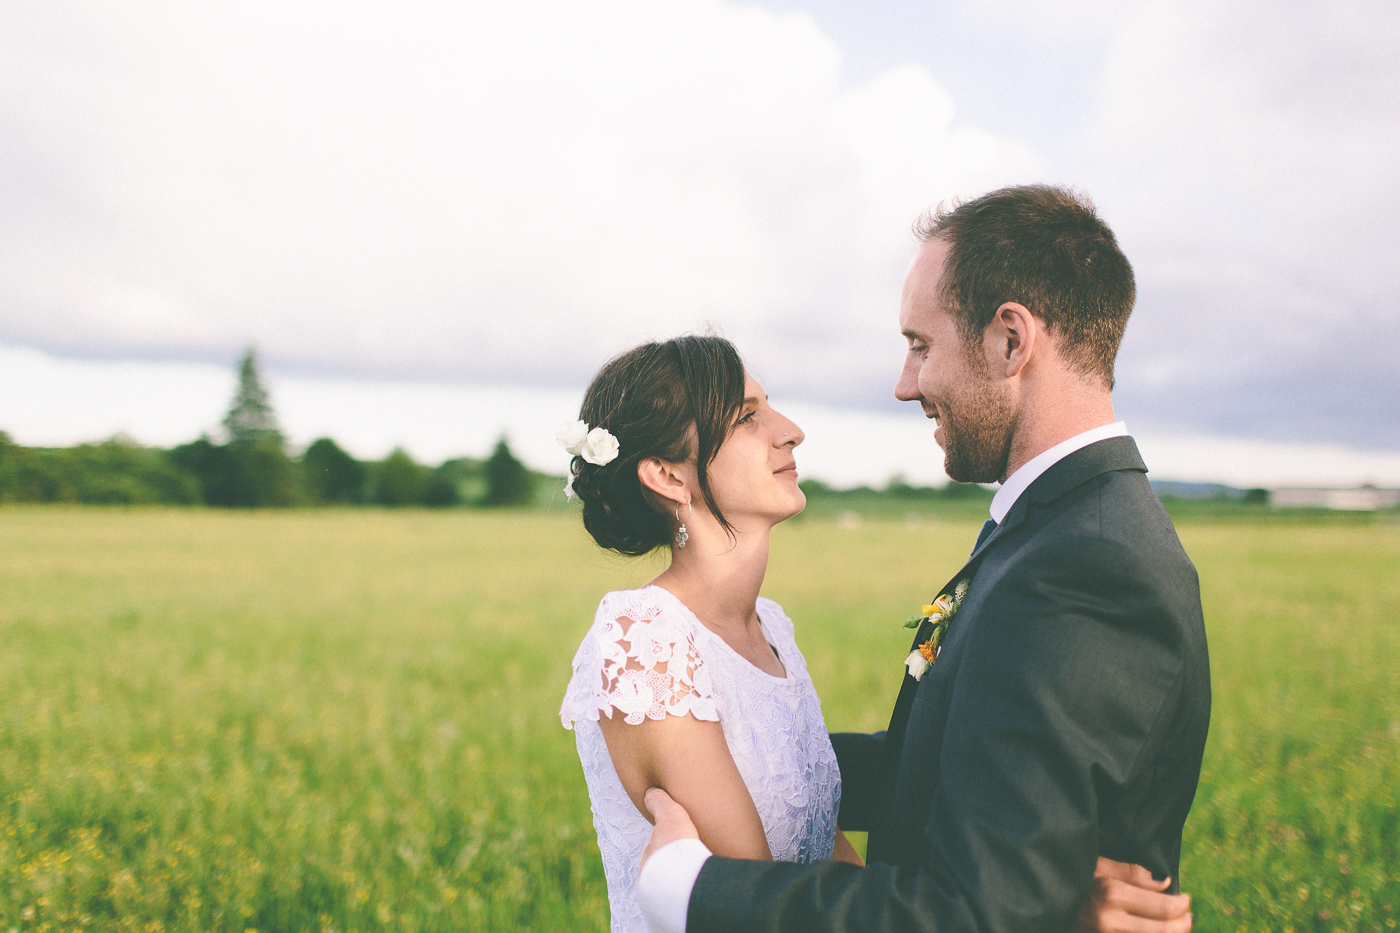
(1065,715)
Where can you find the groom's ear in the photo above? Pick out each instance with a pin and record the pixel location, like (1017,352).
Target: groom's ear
(1011,338)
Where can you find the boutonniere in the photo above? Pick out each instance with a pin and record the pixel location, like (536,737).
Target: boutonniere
(939,612)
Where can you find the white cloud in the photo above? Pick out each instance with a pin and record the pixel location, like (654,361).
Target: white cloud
(48,402)
(1270,464)
(470,190)
(512,192)
(1243,155)
(1288,113)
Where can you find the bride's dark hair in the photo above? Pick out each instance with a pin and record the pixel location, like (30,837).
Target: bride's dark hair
(675,401)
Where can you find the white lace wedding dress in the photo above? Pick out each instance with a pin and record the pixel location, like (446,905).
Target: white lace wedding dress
(648,656)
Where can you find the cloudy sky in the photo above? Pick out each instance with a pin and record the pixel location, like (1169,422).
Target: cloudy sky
(468,206)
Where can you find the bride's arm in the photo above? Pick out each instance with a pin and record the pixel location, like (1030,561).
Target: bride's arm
(689,759)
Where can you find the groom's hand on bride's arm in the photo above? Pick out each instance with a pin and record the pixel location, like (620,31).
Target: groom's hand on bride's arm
(670,819)
(664,883)
(1127,899)
(691,760)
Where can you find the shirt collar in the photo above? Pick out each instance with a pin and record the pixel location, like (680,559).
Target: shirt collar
(1030,471)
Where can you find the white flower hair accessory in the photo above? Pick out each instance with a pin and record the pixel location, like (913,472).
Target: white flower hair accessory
(600,447)
(597,446)
(571,436)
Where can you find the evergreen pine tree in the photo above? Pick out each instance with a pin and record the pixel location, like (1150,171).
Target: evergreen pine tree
(252,469)
(250,416)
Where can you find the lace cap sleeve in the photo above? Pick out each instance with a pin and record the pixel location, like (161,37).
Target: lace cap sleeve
(640,658)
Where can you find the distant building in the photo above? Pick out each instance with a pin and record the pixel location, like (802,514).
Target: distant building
(1360,499)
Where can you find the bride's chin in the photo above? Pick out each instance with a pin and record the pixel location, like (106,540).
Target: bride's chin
(797,508)
(771,513)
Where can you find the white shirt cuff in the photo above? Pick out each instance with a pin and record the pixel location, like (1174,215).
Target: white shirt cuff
(664,886)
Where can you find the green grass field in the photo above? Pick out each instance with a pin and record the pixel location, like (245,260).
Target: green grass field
(347,720)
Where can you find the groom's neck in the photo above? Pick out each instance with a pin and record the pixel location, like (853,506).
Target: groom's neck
(1054,410)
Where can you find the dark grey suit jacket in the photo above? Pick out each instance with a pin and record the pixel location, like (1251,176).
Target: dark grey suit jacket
(1064,719)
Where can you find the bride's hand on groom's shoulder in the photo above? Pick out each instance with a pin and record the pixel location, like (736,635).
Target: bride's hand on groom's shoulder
(671,821)
(1127,899)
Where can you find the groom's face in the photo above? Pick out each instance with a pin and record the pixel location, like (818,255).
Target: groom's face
(951,380)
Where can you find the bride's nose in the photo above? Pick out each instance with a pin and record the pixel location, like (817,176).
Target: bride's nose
(791,434)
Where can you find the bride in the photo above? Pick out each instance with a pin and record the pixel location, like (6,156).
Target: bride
(694,682)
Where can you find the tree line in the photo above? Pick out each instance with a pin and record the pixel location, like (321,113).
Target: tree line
(251,468)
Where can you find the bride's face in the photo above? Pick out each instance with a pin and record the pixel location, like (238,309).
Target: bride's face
(754,474)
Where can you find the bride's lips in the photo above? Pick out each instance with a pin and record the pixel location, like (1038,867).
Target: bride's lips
(790,469)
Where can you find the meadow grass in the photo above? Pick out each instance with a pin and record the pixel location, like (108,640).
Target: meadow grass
(347,720)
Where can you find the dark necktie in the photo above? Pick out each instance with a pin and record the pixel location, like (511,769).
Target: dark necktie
(988,527)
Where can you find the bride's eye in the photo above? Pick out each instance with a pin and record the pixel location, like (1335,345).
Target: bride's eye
(746,417)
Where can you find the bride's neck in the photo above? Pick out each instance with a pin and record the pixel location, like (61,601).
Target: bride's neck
(718,577)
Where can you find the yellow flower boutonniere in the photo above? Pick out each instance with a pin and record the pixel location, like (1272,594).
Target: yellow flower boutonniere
(939,612)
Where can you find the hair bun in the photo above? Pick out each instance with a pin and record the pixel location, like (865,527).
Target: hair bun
(650,398)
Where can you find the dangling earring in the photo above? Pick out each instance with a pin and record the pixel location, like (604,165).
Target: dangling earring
(681,536)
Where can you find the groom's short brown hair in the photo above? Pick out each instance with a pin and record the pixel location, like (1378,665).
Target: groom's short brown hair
(1043,247)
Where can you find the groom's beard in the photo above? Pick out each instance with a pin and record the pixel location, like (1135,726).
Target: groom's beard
(977,432)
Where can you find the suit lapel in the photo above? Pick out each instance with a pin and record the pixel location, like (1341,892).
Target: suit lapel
(1106,456)
(899,720)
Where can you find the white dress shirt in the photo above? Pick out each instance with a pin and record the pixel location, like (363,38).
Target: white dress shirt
(1030,471)
(664,886)
(668,877)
